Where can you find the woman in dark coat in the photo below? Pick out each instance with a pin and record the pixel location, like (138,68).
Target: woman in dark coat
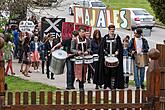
(95,44)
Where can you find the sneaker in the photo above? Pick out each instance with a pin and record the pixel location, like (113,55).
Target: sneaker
(29,71)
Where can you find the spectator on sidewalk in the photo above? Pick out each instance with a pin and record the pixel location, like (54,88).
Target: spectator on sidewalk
(8,52)
(35,54)
(26,57)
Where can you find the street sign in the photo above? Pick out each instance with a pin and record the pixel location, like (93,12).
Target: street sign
(26,26)
(52,25)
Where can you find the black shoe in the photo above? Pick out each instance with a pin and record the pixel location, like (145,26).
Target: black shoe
(29,71)
(97,87)
(72,87)
(105,87)
(48,77)
(68,88)
(89,81)
(137,88)
(142,86)
(52,78)
(100,86)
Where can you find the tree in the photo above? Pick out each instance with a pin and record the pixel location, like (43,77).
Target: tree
(18,8)
(159,9)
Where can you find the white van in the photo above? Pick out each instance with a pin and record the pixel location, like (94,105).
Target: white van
(87,4)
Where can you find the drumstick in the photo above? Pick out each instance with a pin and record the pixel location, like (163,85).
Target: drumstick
(92,67)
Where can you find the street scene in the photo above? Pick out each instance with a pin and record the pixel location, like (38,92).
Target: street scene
(83,46)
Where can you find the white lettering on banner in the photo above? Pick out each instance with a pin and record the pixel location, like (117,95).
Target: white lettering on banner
(116,18)
(108,17)
(124,22)
(79,15)
(87,19)
(101,19)
(52,25)
(93,18)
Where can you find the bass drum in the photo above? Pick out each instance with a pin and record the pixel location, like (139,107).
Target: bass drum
(142,60)
(58,62)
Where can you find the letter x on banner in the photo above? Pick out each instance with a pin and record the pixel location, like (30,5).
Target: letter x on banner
(51,25)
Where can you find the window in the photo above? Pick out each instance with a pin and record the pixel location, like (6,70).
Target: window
(97,4)
(140,12)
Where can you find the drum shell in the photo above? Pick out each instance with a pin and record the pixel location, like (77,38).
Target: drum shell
(95,57)
(78,60)
(57,64)
(88,59)
(111,64)
(142,60)
(128,65)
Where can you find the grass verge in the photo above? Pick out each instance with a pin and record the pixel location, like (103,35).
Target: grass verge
(118,4)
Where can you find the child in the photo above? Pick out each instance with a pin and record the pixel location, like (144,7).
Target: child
(125,60)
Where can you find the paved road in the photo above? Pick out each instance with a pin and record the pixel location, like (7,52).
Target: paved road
(59,81)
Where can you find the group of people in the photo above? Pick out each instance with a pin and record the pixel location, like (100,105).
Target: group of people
(109,77)
(31,50)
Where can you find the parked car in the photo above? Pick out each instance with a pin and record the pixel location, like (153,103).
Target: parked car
(43,2)
(87,4)
(140,18)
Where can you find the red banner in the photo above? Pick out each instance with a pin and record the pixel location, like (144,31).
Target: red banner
(67,29)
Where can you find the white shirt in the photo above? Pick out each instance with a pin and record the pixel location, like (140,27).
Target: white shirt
(36,45)
(138,45)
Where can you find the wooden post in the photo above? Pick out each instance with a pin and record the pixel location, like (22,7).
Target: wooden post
(2,77)
(153,80)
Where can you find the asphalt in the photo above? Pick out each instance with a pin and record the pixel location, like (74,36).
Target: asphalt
(59,81)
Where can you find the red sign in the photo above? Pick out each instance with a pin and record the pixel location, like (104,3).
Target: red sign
(67,29)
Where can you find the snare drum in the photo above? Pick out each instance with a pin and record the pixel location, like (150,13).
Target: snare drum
(128,64)
(95,57)
(111,62)
(88,59)
(78,60)
(142,59)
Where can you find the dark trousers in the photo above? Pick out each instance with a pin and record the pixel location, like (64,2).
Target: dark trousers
(110,76)
(90,72)
(43,65)
(20,55)
(70,73)
(47,67)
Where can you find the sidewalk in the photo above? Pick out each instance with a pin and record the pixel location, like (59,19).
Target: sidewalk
(59,81)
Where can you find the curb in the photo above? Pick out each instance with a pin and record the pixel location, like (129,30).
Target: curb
(159,26)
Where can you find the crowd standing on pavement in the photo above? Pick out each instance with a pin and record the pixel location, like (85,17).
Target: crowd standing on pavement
(106,72)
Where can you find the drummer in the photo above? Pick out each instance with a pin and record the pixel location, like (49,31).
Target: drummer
(80,46)
(113,77)
(69,64)
(138,45)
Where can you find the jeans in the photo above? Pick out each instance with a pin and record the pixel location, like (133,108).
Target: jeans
(70,73)
(139,80)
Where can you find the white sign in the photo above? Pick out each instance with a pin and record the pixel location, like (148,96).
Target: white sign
(26,26)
